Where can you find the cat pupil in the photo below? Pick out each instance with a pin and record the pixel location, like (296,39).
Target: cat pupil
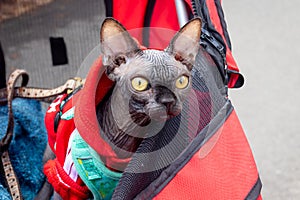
(181,80)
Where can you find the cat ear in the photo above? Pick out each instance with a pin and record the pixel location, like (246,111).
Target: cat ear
(116,44)
(185,44)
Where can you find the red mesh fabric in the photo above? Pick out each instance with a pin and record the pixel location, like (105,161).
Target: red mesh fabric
(222,169)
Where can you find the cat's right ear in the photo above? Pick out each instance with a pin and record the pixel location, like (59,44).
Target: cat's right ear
(116,45)
(185,44)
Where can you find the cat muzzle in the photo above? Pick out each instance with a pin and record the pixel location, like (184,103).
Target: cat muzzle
(164,112)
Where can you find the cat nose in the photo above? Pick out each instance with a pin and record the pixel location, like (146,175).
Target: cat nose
(165,97)
(167,101)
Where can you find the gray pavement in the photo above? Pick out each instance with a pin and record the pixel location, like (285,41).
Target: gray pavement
(265,38)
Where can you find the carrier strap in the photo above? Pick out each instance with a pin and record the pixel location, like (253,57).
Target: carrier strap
(42,94)
(7,170)
(6,96)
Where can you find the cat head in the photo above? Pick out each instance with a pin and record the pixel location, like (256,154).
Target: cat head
(153,83)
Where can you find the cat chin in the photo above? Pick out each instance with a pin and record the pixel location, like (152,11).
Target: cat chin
(162,118)
(159,116)
(162,115)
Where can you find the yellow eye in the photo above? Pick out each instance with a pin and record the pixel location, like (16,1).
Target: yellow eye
(139,84)
(182,82)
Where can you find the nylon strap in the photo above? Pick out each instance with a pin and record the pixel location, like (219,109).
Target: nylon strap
(43,94)
(7,170)
(6,96)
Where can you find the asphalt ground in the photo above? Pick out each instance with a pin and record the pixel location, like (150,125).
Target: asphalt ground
(265,37)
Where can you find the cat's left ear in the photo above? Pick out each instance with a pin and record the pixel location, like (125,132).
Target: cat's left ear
(116,45)
(185,44)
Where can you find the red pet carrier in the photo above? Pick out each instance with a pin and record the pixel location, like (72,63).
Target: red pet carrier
(201,154)
(229,171)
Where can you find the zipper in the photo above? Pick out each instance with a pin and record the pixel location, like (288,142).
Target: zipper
(205,35)
(208,37)
(194,8)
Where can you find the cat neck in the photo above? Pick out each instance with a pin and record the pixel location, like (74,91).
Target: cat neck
(122,138)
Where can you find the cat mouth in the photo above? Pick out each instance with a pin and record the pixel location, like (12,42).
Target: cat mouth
(143,114)
(163,114)
(160,115)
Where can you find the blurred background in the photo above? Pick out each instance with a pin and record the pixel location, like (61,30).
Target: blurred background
(265,37)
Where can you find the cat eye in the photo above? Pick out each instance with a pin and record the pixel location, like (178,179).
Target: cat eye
(139,84)
(182,82)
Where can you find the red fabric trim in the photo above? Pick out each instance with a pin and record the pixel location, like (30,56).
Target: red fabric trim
(59,139)
(223,168)
(95,88)
(65,129)
(63,184)
(260,197)
(231,64)
(49,120)
(232,80)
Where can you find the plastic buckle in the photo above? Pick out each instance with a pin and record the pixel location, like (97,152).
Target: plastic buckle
(78,82)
